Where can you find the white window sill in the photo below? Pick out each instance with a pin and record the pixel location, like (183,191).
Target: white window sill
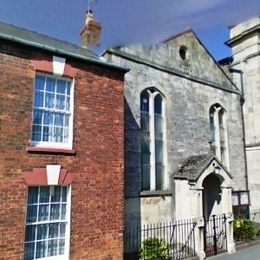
(56,257)
(155,193)
(50,150)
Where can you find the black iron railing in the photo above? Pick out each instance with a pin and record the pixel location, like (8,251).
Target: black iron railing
(169,240)
(215,238)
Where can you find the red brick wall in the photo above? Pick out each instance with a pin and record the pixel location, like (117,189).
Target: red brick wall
(97,189)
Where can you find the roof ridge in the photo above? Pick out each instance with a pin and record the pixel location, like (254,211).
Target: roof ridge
(32,32)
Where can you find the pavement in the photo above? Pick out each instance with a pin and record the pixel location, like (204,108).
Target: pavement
(250,253)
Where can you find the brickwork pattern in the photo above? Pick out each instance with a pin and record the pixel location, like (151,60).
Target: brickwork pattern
(97,190)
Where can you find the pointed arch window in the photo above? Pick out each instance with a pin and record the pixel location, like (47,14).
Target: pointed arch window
(152,140)
(218,133)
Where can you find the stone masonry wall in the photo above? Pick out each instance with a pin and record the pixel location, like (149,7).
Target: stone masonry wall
(97,189)
(246,55)
(188,131)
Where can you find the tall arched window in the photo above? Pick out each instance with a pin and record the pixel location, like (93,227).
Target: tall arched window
(152,140)
(218,133)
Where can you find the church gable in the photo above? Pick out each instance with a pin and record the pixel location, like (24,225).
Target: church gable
(182,54)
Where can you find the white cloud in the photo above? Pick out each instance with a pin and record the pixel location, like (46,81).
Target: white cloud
(151,20)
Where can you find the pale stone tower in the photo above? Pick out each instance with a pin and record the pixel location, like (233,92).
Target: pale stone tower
(245,67)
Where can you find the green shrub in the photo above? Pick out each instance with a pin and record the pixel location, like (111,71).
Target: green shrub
(244,229)
(154,249)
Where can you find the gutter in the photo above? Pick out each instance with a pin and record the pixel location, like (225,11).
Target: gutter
(172,71)
(242,102)
(242,34)
(58,51)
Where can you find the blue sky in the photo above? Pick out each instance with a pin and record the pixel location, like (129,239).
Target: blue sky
(132,21)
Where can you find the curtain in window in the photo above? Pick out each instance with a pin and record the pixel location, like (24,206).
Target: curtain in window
(46,222)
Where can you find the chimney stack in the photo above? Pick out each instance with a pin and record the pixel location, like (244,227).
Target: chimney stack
(90,34)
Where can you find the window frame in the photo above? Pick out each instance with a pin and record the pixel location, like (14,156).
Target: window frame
(238,194)
(218,129)
(55,145)
(152,93)
(67,221)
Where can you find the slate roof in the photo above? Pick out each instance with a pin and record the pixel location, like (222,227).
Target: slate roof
(193,166)
(59,47)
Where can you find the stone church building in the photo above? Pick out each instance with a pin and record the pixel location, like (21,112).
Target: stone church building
(191,127)
(184,145)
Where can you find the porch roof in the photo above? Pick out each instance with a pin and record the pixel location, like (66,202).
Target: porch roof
(193,166)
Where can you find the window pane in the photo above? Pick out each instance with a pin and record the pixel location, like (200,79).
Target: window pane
(37,117)
(158,122)
(66,123)
(49,100)
(244,198)
(145,102)
(158,151)
(212,129)
(60,102)
(42,231)
(61,246)
(50,85)
(61,86)
(68,88)
(66,135)
(38,99)
(222,136)
(31,214)
(221,118)
(62,229)
(46,133)
(63,211)
(55,212)
(43,212)
(58,119)
(145,121)
(58,134)
(48,118)
(158,104)
(67,104)
(235,201)
(146,177)
(44,193)
(145,145)
(53,247)
(53,230)
(29,251)
(36,133)
(64,194)
(30,233)
(56,196)
(32,195)
(39,82)
(41,249)
(146,159)
(159,176)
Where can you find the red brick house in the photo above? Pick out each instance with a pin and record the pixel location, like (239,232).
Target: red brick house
(62,153)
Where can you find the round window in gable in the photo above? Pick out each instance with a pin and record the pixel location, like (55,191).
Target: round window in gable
(183,52)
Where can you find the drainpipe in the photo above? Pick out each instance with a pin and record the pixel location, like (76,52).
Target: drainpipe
(242,102)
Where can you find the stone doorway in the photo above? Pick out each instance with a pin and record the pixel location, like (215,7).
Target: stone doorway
(212,195)
(204,186)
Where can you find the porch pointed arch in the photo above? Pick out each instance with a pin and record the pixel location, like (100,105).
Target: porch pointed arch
(188,185)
